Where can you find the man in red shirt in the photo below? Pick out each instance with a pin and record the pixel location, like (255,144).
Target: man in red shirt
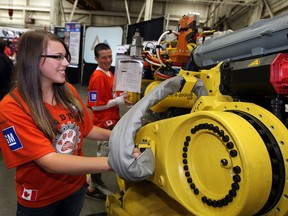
(104,104)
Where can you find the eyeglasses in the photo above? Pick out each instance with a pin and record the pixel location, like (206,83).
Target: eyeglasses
(58,57)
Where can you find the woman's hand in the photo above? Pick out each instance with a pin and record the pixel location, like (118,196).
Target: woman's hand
(136,152)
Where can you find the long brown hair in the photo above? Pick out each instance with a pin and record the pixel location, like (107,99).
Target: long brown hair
(32,45)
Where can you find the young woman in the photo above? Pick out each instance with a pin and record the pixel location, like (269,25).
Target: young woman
(43,122)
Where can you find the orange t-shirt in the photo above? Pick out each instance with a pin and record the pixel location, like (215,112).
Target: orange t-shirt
(100,91)
(7,51)
(22,142)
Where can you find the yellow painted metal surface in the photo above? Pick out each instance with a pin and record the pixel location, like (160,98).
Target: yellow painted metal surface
(180,99)
(146,199)
(203,176)
(213,161)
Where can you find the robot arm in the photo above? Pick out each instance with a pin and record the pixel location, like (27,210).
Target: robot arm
(121,157)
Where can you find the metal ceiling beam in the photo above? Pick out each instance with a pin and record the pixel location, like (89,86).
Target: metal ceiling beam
(268,9)
(127,12)
(148,10)
(28,8)
(73,10)
(141,12)
(231,2)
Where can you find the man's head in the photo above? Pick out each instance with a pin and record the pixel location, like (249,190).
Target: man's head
(103,55)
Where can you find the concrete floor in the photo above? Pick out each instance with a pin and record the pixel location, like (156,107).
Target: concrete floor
(91,206)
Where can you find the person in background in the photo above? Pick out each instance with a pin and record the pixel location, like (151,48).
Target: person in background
(6,70)
(14,45)
(7,50)
(43,122)
(104,105)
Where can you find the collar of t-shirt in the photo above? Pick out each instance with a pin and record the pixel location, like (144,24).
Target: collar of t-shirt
(104,71)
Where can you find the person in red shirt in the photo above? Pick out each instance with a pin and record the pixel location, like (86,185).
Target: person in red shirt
(7,51)
(43,122)
(6,70)
(104,104)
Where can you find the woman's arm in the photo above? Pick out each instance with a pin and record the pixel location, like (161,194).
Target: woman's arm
(99,134)
(75,165)
(72,164)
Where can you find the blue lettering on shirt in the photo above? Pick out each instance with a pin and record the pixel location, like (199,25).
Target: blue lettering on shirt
(92,96)
(12,138)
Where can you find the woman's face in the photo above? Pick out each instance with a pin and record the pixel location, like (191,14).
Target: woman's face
(53,64)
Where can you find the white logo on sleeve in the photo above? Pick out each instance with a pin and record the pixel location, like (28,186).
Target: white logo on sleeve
(12,138)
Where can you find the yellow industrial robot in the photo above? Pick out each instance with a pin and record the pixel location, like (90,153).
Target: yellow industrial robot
(213,137)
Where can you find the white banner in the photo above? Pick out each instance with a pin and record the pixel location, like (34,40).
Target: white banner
(109,35)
